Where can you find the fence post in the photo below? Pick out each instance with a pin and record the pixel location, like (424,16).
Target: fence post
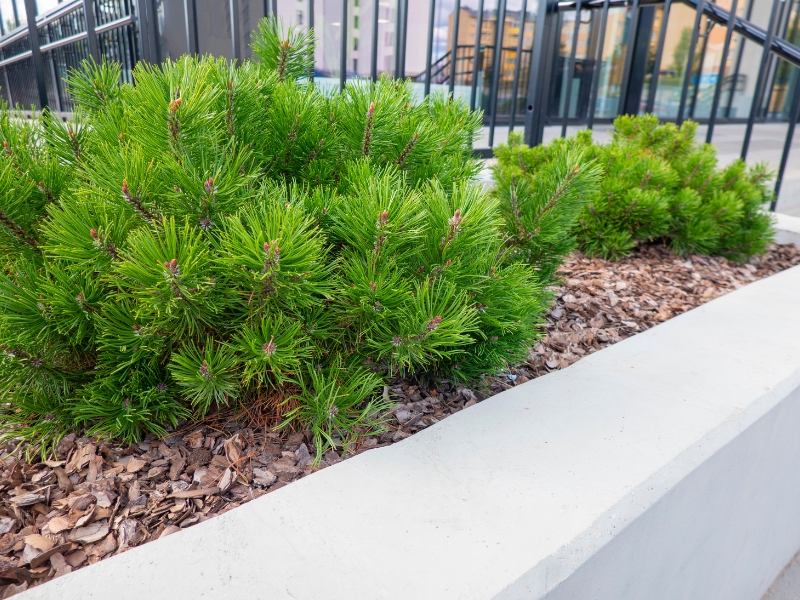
(36,52)
(91,35)
(758,93)
(538,82)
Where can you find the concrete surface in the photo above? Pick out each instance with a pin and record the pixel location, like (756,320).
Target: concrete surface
(787,585)
(766,144)
(787,229)
(666,466)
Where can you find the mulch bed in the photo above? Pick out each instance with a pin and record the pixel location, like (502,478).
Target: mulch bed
(96,499)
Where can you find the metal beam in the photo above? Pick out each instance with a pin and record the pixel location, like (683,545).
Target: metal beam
(687,76)
(454,47)
(598,66)
(794,115)
(373,54)
(662,36)
(476,59)
(497,62)
(343,47)
(236,30)
(538,82)
(712,117)
(629,52)
(755,107)
(36,52)
(518,65)
(91,34)
(429,50)
(571,71)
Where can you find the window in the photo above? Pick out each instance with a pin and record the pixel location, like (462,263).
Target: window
(300,17)
(355,22)
(355,3)
(355,44)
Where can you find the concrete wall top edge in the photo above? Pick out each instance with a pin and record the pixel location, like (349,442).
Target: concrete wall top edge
(527,478)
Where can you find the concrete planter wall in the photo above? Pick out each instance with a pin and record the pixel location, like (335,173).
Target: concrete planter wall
(664,467)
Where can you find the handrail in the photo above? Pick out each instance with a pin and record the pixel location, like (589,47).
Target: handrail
(122,22)
(22,30)
(748,29)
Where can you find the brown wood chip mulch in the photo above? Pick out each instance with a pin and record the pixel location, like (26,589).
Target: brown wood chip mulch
(96,499)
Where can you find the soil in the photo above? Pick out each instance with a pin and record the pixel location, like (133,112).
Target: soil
(97,499)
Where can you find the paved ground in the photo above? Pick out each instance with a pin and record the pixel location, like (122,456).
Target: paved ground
(766,144)
(787,585)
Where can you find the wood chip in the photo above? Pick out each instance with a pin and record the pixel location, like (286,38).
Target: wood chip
(210,491)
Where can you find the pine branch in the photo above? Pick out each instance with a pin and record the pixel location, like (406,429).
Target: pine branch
(18,232)
(137,205)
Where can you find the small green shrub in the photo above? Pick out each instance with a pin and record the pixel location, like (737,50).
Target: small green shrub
(218,234)
(655,182)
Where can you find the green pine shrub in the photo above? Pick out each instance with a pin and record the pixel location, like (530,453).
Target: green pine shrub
(215,235)
(655,182)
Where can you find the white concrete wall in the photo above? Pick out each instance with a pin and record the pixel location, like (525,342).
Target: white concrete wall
(787,229)
(664,467)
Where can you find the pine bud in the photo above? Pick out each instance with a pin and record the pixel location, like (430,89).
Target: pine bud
(373,286)
(205,223)
(434,323)
(334,410)
(174,105)
(93,233)
(136,329)
(204,371)
(172,267)
(125,190)
(121,136)
(209,186)
(397,341)
(70,131)
(269,348)
(455,220)
(161,387)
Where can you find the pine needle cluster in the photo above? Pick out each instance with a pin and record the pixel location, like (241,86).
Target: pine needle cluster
(655,182)
(217,234)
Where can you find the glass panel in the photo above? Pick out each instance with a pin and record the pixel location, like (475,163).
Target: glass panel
(359,37)
(7,10)
(652,48)
(673,60)
(417,43)
(45,6)
(614,46)
(172,42)
(786,79)
(250,13)
(20,14)
(581,81)
(387,36)
(214,28)
(328,30)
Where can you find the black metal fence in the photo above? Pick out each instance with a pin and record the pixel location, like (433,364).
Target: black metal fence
(523,62)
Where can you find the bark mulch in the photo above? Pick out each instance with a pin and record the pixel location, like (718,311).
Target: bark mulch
(96,499)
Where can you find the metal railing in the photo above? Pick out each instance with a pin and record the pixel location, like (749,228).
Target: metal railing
(542,63)
(31,74)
